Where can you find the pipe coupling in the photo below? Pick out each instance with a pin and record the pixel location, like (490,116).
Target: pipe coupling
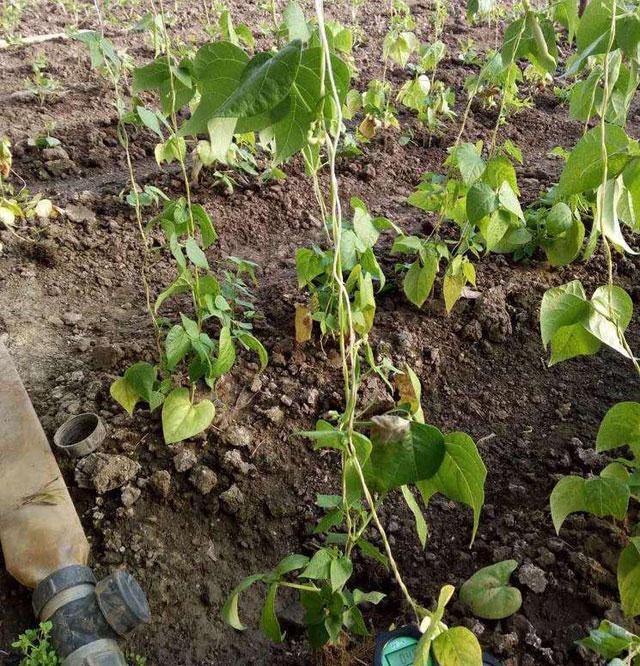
(89,616)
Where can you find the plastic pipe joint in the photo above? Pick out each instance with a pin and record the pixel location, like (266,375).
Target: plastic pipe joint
(88,616)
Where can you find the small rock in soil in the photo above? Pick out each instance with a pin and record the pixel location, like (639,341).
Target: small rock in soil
(585,454)
(58,168)
(472,331)
(555,545)
(238,436)
(71,318)
(505,643)
(105,357)
(563,410)
(232,499)
(80,214)
(184,460)
(233,461)
(278,359)
(533,577)
(275,415)
(161,482)
(204,479)
(55,153)
(130,495)
(105,471)
(474,626)
(545,557)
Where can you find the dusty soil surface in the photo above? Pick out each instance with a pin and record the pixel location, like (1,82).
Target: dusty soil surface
(72,314)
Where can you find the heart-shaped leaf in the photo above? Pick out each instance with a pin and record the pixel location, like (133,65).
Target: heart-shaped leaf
(461,475)
(601,496)
(416,453)
(620,426)
(264,83)
(488,593)
(142,377)
(124,394)
(182,419)
(481,201)
(457,647)
(629,578)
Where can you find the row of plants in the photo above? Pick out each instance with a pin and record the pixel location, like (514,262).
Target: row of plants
(296,100)
(599,185)
(293,98)
(572,324)
(390,451)
(219,297)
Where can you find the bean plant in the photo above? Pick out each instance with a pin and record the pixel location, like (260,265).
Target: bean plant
(601,170)
(479,192)
(41,84)
(389,452)
(19,206)
(185,347)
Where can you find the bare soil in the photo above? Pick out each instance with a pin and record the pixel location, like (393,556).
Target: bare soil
(483,371)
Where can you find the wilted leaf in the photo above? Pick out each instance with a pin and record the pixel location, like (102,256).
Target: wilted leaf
(304,323)
(489,594)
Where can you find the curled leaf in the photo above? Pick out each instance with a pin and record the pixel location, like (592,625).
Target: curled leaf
(488,593)
(304,323)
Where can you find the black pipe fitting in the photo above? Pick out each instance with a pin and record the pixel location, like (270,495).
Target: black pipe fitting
(89,617)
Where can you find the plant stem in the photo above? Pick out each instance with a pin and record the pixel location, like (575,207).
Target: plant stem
(503,99)
(611,315)
(123,137)
(181,160)
(298,586)
(348,352)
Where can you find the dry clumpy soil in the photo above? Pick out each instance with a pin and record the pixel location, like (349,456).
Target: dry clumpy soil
(191,520)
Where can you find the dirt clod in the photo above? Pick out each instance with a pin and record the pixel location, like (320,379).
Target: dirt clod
(105,471)
(232,499)
(203,478)
(184,460)
(233,461)
(161,482)
(238,436)
(492,314)
(533,577)
(130,495)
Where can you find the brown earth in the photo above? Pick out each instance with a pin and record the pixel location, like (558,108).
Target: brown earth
(483,371)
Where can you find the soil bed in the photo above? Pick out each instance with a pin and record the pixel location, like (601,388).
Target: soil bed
(72,313)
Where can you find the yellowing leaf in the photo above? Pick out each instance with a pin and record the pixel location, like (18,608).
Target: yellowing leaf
(457,647)
(124,394)
(367,128)
(7,216)
(182,419)
(44,208)
(304,323)
(452,289)
(408,386)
